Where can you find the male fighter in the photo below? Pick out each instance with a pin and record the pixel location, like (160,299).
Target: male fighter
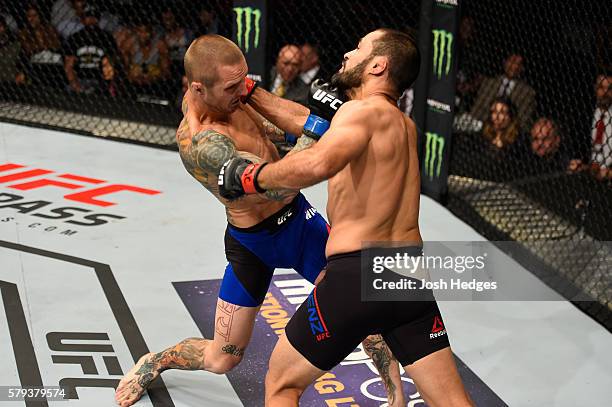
(369,156)
(264,231)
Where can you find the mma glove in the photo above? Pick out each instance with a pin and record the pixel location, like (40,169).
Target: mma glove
(238,177)
(324,101)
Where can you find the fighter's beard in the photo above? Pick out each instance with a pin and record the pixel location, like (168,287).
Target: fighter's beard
(349,79)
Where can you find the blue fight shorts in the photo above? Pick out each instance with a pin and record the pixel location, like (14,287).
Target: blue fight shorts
(294,237)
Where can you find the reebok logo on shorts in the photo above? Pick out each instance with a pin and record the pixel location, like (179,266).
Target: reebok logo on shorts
(317,324)
(437,329)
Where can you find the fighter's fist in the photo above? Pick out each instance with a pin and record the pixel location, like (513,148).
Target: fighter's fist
(238,177)
(324,101)
(251,85)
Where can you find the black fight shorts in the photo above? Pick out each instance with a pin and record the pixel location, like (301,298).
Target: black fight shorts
(333,320)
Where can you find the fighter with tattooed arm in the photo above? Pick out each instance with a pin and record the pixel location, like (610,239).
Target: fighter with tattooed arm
(265,231)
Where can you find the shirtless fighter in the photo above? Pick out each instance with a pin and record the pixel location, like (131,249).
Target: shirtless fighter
(369,156)
(264,231)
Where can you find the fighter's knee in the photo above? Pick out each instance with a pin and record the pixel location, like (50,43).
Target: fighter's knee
(221,364)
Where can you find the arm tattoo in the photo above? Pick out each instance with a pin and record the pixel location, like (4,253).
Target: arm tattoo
(212,150)
(279,194)
(204,154)
(273,132)
(208,151)
(377,349)
(302,143)
(272,194)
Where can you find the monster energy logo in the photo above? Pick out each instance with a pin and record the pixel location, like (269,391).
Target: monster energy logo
(249,15)
(434,148)
(442,43)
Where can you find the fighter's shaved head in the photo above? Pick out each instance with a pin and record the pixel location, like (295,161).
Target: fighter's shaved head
(204,56)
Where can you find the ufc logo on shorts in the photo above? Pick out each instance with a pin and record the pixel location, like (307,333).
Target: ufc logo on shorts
(315,320)
(284,217)
(325,97)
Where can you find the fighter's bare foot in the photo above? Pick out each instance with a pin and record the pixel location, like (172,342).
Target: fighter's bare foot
(136,381)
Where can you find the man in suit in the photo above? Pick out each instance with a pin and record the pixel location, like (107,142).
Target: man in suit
(508,85)
(310,64)
(286,81)
(600,163)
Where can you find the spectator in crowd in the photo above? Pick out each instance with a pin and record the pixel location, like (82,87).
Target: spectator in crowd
(66,16)
(469,64)
(125,38)
(310,63)
(601,135)
(9,53)
(501,128)
(509,85)
(178,39)
(206,22)
(9,21)
(545,138)
(286,81)
(148,62)
(111,84)
(84,52)
(544,153)
(41,57)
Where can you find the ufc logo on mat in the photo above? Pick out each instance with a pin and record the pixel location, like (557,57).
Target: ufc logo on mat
(325,97)
(68,181)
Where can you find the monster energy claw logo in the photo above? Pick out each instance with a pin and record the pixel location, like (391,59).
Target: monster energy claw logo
(442,46)
(244,17)
(434,149)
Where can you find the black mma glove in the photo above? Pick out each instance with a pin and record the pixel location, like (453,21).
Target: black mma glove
(324,101)
(238,177)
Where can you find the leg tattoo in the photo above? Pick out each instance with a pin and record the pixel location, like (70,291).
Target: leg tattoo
(224,318)
(233,350)
(186,355)
(387,366)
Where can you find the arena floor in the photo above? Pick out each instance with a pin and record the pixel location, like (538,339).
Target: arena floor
(135,264)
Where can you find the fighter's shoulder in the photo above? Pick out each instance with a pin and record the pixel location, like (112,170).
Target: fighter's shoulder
(357,111)
(212,134)
(410,124)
